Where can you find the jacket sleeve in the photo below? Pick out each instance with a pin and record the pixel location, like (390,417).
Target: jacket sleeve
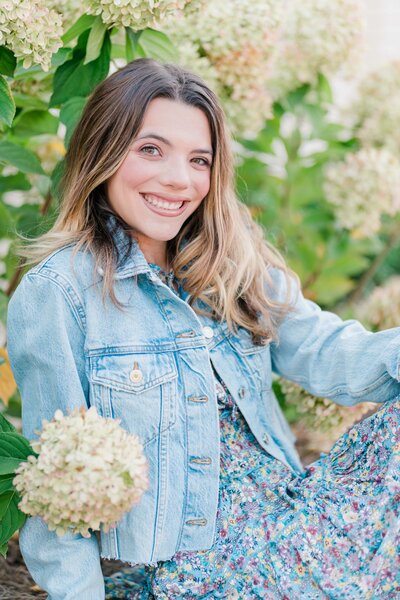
(333,358)
(45,340)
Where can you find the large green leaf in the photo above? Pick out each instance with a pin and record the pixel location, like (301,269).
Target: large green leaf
(26,101)
(6,221)
(74,78)
(14,182)
(35,122)
(70,114)
(95,40)
(7,104)
(13,446)
(13,519)
(5,425)
(19,157)
(8,465)
(8,62)
(82,24)
(6,483)
(132,44)
(157,44)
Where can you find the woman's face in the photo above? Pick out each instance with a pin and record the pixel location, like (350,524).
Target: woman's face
(165,175)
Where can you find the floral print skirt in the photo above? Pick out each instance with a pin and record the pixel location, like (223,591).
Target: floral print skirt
(331,532)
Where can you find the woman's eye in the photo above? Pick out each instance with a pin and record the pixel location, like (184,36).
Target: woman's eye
(149,148)
(205,162)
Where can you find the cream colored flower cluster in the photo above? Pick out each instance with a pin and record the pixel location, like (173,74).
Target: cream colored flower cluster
(381,309)
(362,188)
(137,14)
(322,415)
(31,30)
(89,471)
(318,36)
(229,44)
(377,108)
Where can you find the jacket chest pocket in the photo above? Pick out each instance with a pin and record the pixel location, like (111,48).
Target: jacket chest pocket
(256,360)
(137,388)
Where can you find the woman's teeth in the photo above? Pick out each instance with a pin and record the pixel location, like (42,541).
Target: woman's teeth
(162,203)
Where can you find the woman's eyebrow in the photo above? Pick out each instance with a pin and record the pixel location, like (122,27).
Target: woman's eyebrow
(168,143)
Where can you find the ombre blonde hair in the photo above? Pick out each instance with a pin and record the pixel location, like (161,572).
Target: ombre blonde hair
(225,259)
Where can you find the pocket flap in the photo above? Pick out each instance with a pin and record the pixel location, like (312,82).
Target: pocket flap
(133,372)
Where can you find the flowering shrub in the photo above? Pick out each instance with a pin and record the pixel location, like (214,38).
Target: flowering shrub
(322,417)
(319,36)
(232,54)
(362,188)
(381,309)
(78,454)
(137,14)
(31,30)
(377,109)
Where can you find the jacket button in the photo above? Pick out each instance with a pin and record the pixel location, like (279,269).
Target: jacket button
(208,332)
(242,392)
(266,439)
(136,375)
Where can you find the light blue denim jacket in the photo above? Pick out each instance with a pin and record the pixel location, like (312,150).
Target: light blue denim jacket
(67,349)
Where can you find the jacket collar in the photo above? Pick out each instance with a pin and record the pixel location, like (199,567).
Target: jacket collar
(129,263)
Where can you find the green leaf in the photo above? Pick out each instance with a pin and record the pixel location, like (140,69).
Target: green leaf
(157,44)
(35,122)
(56,177)
(31,102)
(4,300)
(74,78)
(6,221)
(5,500)
(14,445)
(4,550)
(6,483)
(131,43)
(5,425)
(14,182)
(95,40)
(82,24)
(324,89)
(8,465)
(13,520)
(70,115)
(20,157)
(8,62)
(61,56)
(7,104)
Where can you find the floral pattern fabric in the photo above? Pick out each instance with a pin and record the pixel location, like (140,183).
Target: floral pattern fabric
(332,532)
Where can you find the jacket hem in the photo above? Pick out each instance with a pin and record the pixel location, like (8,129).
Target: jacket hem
(128,562)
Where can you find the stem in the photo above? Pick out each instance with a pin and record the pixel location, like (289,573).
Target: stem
(358,292)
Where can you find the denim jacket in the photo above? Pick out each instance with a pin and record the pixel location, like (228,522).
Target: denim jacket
(67,349)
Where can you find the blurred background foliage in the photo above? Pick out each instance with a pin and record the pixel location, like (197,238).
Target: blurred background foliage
(323,181)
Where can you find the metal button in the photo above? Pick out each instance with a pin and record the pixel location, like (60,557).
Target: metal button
(266,439)
(136,374)
(208,332)
(242,392)
(196,522)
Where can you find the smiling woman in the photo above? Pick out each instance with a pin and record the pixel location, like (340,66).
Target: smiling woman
(158,187)
(197,313)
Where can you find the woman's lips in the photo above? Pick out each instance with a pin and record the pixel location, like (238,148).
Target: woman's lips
(165,212)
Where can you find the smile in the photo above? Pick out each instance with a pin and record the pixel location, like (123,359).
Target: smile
(163,207)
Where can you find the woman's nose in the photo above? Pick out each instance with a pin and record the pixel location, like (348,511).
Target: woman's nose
(176,174)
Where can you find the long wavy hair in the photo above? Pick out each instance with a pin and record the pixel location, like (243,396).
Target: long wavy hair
(225,259)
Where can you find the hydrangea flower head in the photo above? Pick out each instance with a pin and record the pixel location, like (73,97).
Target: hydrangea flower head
(31,30)
(362,188)
(77,454)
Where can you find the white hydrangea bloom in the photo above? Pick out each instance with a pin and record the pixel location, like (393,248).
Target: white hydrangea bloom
(80,453)
(377,108)
(362,188)
(137,14)
(229,44)
(69,10)
(31,30)
(318,36)
(381,309)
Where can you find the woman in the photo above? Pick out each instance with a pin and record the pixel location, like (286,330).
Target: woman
(156,299)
